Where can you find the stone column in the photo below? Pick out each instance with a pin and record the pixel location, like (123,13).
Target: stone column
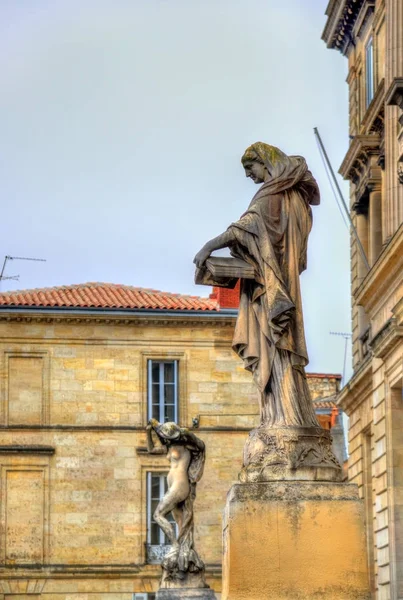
(375,223)
(362,232)
(394,69)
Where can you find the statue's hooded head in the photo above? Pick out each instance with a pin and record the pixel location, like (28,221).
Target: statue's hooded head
(283,171)
(267,155)
(169,431)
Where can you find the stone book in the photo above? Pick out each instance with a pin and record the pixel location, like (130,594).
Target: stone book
(223,271)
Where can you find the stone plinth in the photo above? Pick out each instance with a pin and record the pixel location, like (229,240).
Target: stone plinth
(186,594)
(294,539)
(192,585)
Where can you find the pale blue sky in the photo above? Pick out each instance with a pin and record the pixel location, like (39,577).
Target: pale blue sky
(122,127)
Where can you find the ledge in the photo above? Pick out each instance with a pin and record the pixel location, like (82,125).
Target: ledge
(33,449)
(361,144)
(225,317)
(390,335)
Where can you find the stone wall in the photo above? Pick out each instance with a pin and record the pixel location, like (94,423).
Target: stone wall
(73,447)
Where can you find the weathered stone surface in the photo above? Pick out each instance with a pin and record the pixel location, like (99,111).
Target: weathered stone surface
(186,594)
(271,237)
(299,540)
(96,500)
(300,453)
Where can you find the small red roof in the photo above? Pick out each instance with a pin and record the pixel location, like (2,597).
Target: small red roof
(325,403)
(324,375)
(104,295)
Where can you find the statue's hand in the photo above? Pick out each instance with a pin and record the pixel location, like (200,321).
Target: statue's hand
(202,256)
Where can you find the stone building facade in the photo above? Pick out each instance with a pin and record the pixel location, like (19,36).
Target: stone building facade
(370,34)
(82,370)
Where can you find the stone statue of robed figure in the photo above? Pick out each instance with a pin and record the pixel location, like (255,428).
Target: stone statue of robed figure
(269,242)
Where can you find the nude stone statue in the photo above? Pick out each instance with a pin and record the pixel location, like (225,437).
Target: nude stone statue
(272,237)
(182,567)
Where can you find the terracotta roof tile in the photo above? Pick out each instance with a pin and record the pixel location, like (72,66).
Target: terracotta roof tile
(324,375)
(104,295)
(327,402)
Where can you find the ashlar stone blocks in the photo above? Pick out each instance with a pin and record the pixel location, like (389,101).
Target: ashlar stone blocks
(294,540)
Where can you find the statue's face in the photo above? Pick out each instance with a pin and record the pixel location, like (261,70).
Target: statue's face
(255,171)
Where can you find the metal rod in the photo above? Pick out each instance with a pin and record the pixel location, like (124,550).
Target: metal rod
(6,258)
(359,245)
(346,336)
(4,266)
(345,358)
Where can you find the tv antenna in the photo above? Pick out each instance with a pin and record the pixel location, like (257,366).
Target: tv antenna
(16,277)
(346,336)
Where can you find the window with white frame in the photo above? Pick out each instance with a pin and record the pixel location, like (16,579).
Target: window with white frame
(163,390)
(369,72)
(157,542)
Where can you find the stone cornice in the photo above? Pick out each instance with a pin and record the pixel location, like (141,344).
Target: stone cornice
(357,154)
(13,573)
(366,11)
(162,318)
(342,17)
(388,338)
(356,390)
(387,268)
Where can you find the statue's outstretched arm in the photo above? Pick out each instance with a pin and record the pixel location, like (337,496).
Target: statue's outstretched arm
(221,241)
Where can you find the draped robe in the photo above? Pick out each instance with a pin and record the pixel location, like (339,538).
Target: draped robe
(272,235)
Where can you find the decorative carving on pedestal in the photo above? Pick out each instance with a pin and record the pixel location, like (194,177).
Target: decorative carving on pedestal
(286,453)
(269,244)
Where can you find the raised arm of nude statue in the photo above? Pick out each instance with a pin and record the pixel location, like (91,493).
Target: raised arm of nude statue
(152,424)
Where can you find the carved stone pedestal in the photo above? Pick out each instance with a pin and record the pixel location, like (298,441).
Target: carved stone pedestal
(289,453)
(294,539)
(193,585)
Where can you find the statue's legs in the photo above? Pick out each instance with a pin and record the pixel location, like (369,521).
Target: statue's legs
(168,504)
(177,514)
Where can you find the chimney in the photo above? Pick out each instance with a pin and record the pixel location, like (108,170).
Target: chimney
(227,298)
